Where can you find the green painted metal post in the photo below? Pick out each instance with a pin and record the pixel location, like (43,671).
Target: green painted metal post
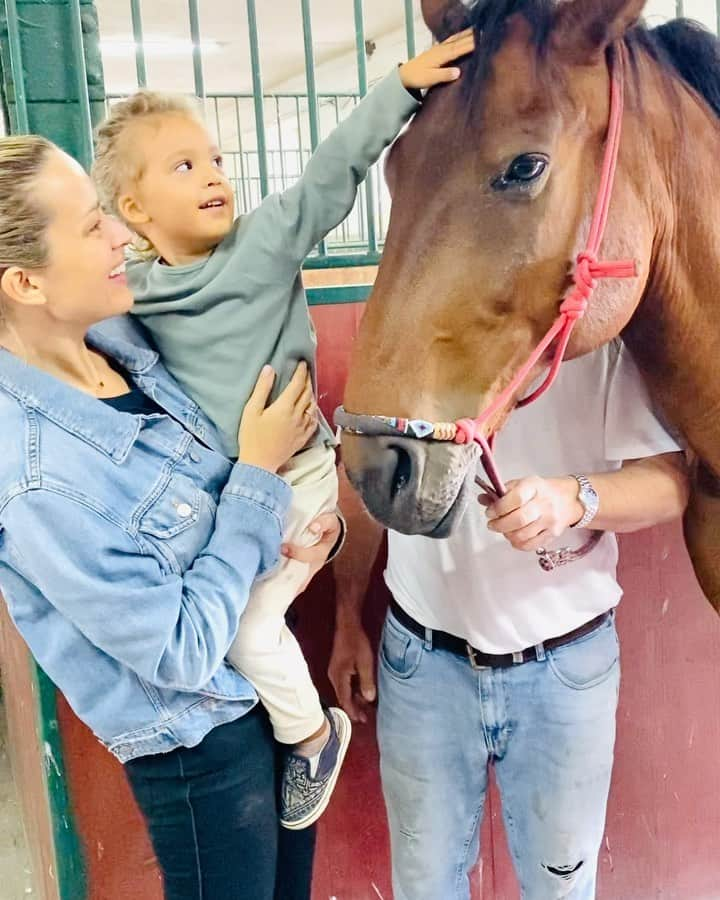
(258,97)
(140,70)
(281,143)
(16,67)
(410,28)
(198,74)
(363,88)
(84,150)
(241,153)
(59,92)
(313,114)
(55,96)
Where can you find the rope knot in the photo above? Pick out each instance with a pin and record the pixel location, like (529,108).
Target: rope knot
(465,433)
(575,304)
(586,271)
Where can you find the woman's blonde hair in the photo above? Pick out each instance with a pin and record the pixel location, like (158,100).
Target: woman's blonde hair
(115,164)
(23,219)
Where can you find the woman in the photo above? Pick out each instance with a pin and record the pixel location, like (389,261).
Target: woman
(128,542)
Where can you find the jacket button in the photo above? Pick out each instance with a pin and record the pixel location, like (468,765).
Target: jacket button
(184,510)
(195,457)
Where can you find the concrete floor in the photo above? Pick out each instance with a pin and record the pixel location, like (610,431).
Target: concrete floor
(15,878)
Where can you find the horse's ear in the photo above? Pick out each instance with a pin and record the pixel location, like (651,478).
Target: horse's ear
(444,17)
(584,29)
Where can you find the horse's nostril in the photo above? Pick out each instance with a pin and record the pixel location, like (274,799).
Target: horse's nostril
(403,472)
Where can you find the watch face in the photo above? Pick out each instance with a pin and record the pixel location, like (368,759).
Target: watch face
(589,499)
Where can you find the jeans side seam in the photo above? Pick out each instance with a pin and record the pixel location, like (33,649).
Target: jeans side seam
(194,831)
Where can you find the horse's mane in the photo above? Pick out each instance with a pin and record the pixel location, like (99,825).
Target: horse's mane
(694,54)
(683,49)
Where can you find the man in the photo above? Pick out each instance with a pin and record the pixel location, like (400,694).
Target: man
(487,659)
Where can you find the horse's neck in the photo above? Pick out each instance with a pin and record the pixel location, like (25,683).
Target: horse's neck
(675,333)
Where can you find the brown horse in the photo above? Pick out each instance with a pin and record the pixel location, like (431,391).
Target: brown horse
(493,189)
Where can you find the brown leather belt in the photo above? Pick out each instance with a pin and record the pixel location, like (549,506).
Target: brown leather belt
(441,640)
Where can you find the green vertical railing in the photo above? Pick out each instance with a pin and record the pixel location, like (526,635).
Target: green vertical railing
(137,27)
(256,171)
(52,71)
(271,164)
(258,96)
(312,100)
(53,85)
(198,75)
(410,28)
(84,150)
(16,67)
(363,88)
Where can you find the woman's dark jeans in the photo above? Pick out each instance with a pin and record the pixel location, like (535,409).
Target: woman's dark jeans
(212,815)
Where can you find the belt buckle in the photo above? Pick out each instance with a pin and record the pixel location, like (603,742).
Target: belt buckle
(472,656)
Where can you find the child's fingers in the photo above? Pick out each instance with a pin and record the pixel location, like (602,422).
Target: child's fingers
(459,35)
(449,51)
(446,74)
(261,392)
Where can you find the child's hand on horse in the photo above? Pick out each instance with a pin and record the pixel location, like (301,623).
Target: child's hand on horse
(431,67)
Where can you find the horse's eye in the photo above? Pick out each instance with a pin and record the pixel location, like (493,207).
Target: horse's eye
(522,171)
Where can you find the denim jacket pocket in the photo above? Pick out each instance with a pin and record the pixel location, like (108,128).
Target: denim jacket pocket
(400,651)
(588,661)
(175,510)
(179,522)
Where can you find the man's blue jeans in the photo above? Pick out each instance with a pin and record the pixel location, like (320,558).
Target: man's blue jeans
(547,726)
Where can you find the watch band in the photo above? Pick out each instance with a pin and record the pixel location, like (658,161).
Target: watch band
(589,500)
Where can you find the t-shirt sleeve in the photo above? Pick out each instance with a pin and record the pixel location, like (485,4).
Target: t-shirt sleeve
(634,428)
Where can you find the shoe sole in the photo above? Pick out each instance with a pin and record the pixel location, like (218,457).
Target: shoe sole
(312,817)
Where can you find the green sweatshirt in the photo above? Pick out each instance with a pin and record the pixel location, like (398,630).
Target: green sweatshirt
(217,322)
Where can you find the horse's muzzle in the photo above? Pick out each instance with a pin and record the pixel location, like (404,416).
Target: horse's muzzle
(411,486)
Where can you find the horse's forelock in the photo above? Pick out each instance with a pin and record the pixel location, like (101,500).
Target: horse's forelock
(490,19)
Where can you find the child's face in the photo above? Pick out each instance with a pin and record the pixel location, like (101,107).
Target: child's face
(182,202)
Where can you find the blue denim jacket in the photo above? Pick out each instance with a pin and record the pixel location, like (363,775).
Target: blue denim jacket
(128,545)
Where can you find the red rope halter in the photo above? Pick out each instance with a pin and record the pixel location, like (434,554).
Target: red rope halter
(586,273)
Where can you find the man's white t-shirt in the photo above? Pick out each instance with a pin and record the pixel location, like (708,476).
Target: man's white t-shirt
(474,584)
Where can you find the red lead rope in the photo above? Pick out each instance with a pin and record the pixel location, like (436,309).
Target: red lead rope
(588,269)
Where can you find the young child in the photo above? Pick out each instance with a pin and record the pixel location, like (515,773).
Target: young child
(223,297)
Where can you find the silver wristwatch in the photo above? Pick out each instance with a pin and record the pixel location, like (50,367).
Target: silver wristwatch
(589,500)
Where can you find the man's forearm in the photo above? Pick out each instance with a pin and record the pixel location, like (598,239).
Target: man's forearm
(643,493)
(353,565)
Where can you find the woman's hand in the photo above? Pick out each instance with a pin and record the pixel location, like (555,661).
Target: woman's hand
(431,67)
(326,530)
(270,435)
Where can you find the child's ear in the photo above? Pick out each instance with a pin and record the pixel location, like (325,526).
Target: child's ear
(131,211)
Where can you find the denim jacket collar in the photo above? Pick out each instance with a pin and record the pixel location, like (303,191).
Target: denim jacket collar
(72,409)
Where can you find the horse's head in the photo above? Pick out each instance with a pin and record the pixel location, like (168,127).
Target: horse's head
(493,187)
